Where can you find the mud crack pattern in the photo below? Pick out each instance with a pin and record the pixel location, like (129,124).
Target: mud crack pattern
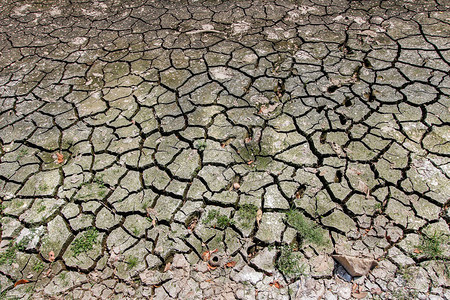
(138,135)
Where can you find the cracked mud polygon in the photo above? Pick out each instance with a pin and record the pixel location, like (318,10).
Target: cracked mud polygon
(224,149)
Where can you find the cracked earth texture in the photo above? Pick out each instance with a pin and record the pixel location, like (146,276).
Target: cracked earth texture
(138,135)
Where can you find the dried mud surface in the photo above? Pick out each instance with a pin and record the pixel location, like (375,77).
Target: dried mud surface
(140,138)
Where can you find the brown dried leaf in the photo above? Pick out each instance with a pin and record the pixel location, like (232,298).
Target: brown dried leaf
(21,281)
(167,268)
(230,264)
(362,186)
(276,284)
(192,225)
(206,255)
(211,267)
(417,251)
(51,256)
(359,295)
(226,143)
(259,214)
(236,185)
(59,158)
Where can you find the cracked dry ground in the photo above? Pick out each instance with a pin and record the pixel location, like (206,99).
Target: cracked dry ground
(137,137)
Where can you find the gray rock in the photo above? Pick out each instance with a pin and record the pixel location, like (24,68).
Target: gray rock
(356,266)
(247,274)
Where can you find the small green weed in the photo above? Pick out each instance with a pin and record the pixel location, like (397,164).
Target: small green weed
(247,214)
(63,275)
(212,214)
(406,273)
(200,145)
(99,181)
(378,206)
(405,293)
(41,208)
(43,187)
(132,262)
(307,229)
(433,245)
(9,255)
(136,231)
(18,203)
(85,242)
(223,221)
(289,262)
(39,266)
(22,154)
(214,218)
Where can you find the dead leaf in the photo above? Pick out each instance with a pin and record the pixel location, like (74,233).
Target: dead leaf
(226,143)
(236,185)
(154,222)
(376,291)
(359,295)
(49,271)
(338,149)
(211,267)
(362,186)
(167,268)
(276,284)
(268,109)
(192,225)
(230,264)
(21,281)
(417,251)
(51,256)
(249,162)
(258,216)
(59,158)
(207,254)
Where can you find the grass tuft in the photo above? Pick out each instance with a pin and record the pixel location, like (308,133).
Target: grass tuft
(85,242)
(307,229)
(289,262)
(432,245)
